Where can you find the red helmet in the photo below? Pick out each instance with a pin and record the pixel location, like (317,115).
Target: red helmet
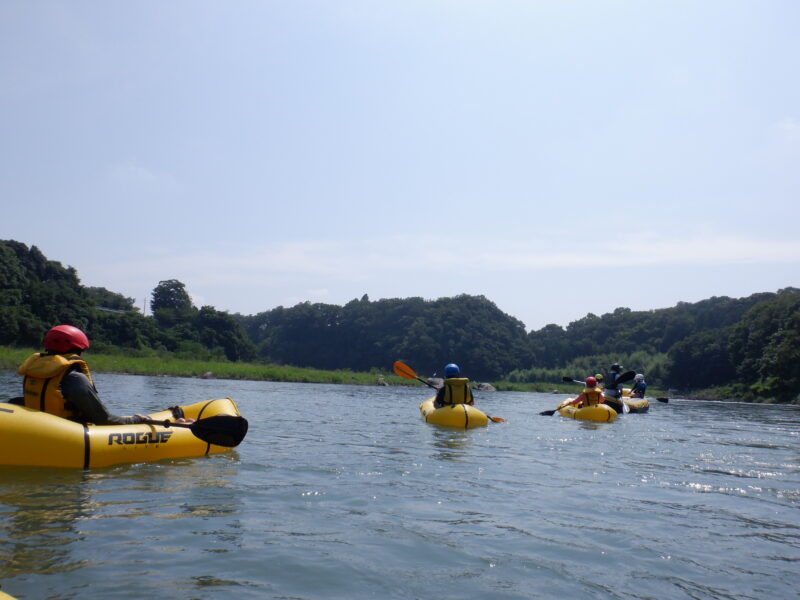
(591,382)
(63,338)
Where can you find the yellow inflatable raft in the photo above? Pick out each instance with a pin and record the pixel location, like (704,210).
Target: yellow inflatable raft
(635,405)
(33,438)
(601,413)
(463,416)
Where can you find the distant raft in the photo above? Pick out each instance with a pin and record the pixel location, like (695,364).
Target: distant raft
(600,413)
(636,405)
(32,438)
(462,416)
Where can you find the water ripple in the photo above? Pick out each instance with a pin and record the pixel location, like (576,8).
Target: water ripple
(350,495)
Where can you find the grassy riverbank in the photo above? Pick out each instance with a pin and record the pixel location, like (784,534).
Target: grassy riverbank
(167,365)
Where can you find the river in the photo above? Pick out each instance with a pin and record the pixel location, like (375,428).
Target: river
(342,492)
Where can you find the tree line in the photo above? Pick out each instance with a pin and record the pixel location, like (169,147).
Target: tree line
(748,348)
(37,293)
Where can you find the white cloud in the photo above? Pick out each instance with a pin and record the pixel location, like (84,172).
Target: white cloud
(319,293)
(131,172)
(789,127)
(364,260)
(130,175)
(647,250)
(528,280)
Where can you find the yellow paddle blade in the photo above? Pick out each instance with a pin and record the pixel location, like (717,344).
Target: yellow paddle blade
(403,370)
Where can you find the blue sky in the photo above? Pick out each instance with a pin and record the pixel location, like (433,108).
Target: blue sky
(558,157)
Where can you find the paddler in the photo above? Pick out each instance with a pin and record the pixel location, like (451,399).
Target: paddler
(58,381)
(455,390)
(590,396)
(639,386)
(611,386)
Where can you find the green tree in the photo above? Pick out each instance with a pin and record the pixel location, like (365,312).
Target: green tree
(171,294)
(219,329)
(171,303)
(765,346)
(701,360)
(101,297)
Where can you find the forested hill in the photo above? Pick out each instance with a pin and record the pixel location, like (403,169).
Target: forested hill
(751,346)
(470,330)
(37,293)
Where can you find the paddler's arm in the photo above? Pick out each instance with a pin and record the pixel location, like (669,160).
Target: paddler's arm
(439,397)
(82,396)
(577,400)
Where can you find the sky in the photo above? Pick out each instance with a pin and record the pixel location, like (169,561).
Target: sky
(559,157)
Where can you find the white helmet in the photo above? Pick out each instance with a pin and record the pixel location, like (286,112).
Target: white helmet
(639,377)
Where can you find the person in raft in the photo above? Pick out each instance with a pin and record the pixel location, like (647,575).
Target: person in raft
(639,386)
(610,382)
(590,395)
(455,389)
(58,381)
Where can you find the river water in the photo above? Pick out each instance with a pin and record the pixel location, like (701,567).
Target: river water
(342,492)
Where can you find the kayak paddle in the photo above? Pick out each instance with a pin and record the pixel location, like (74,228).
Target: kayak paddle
(222,430)
(625,377)
(549,413)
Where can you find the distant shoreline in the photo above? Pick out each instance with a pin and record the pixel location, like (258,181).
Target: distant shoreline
(169,366)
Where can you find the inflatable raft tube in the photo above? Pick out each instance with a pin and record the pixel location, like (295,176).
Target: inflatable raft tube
(600,413)
(635,405)
(462,416)
(33,438)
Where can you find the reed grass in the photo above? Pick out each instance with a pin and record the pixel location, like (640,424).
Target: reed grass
(166,365)
(171,366)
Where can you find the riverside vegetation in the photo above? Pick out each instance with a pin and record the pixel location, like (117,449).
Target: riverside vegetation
(727,348)
(167,365)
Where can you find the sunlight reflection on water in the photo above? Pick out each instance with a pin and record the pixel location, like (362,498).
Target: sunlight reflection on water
(343,492)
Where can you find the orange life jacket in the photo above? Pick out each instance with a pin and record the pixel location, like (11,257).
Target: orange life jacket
(592,396)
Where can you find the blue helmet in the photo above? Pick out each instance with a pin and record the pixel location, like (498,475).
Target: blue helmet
(452,370)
